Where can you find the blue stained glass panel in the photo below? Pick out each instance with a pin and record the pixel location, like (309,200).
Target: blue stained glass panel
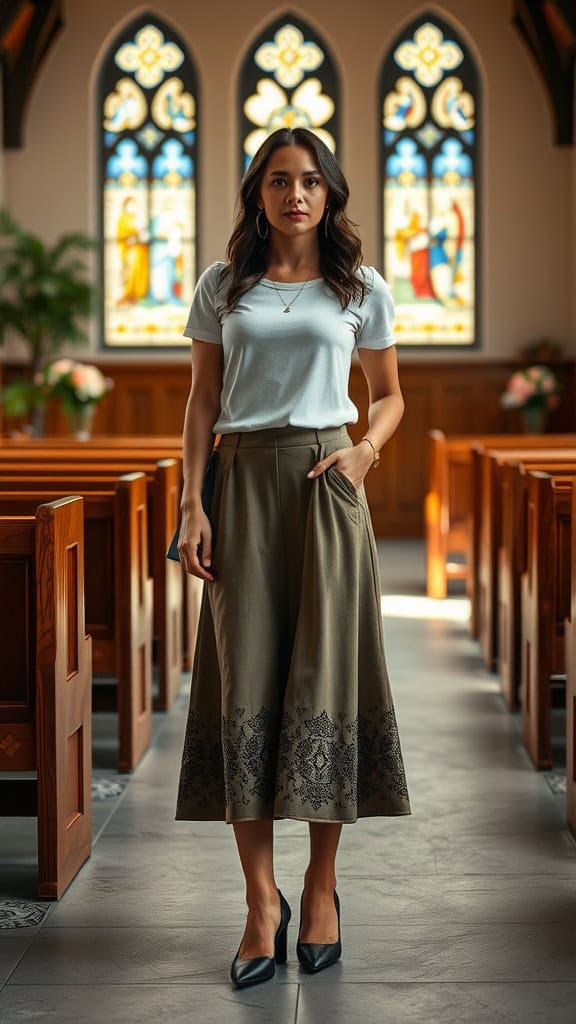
(147,108)
(430,110)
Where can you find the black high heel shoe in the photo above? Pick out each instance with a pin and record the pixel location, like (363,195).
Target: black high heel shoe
(315,956)
(261,968)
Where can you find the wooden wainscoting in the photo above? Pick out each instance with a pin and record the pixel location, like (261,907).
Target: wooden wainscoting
(459,397)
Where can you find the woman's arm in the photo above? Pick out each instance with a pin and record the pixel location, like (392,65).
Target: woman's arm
(202,411)
(385,411)
(386,402)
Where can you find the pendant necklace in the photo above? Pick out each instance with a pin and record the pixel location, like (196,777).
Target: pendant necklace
(287,307)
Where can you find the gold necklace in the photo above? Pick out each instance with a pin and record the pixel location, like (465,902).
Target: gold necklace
(287,307)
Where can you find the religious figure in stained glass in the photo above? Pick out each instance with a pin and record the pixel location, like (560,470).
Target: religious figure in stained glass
(133,249)
(148,187)
(429,173)
(288,80)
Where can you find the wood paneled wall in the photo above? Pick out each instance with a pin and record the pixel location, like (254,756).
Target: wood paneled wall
(458,397)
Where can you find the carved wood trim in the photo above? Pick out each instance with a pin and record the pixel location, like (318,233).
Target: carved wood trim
(555,56)
(27,31)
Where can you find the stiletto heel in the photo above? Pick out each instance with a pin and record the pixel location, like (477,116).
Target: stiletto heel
(315,956)
(281,945)
(261,968)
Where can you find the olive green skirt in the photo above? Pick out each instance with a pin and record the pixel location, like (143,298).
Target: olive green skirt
(291,713)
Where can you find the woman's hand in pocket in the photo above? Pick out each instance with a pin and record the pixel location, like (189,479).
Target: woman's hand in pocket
(195,542)
(353,463)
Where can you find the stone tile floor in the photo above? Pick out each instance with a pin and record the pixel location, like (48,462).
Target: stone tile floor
(462,913)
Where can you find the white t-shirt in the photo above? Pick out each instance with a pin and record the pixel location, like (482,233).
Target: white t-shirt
(282,368)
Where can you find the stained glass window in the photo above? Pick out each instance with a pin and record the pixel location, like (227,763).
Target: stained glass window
(429,117)
(148,138)
(288,79)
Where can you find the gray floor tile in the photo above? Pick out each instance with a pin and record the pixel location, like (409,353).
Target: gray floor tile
(141,1004)
(437,1004)
(399,952)
(481,953)
(130,956)
(13,945)
(456,899)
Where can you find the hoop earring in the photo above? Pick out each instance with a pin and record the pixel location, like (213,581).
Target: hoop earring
(326,222)
(260,235)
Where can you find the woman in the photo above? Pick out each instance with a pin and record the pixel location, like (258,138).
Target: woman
(291,714)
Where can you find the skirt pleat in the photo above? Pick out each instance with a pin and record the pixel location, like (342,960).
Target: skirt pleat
(291,713)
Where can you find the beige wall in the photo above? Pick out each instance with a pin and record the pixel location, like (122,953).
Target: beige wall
(528,183)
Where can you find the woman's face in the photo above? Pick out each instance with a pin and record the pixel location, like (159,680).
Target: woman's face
(292,181)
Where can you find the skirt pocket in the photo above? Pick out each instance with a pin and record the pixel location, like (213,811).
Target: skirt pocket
(344,481)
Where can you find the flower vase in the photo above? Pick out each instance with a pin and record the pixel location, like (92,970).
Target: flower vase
(534,419)
(36,425)
(80,421)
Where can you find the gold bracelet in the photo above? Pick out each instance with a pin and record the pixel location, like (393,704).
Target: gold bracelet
(376,454)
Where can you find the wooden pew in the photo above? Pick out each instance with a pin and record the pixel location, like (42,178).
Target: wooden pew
(511,559)
(96,441)
(118,601)
(501,443)
(136,453)
(163,488)
(570,658)
(444,515)
(485,583)
(449,503)
(545,604)
(46,686)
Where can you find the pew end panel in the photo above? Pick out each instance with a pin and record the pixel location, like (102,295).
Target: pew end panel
(511,565)
(445,512)
(134,612)
(545,604)
(45,699)
(570,656)
(64,686)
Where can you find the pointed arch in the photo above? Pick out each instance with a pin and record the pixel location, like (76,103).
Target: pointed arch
(429,117)
(147,110)
(288,78)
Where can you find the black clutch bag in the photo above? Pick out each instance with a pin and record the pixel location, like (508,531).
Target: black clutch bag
(207,491)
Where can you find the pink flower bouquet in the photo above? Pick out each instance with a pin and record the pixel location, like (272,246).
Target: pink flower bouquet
(77,384)
(533,387)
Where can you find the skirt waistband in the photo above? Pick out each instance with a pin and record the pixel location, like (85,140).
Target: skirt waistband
(281,437)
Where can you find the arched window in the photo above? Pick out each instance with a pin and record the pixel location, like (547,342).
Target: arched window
(288,79)
(429,115)
(147,98)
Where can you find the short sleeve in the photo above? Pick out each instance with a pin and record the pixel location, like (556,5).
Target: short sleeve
(377,312)
(203,322)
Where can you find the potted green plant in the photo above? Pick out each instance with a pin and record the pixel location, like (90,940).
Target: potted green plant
(44,295)
(533,390)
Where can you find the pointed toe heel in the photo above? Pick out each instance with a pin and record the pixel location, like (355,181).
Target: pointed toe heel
(315,956)
(262,968)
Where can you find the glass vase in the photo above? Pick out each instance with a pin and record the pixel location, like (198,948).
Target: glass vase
(36,421)
(534,419)
(80,421)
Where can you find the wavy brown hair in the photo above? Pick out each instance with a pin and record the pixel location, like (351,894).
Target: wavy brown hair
(340,249)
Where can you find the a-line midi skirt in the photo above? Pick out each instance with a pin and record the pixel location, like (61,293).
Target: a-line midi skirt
(291,713)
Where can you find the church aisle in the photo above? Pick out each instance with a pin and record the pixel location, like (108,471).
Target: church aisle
(462,913)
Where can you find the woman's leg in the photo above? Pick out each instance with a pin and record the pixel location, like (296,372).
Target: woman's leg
(319,917)
(255,840)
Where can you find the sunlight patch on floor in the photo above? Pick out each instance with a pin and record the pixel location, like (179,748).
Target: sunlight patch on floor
(410,606)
